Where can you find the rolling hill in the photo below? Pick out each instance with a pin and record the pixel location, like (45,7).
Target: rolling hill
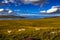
(44,22)
(39,29)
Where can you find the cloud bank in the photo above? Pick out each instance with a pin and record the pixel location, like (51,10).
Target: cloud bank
(1,10)
(5,11)
(7,1)
(34,2)
(53,9)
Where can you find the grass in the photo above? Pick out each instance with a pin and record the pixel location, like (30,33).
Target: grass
(40,29)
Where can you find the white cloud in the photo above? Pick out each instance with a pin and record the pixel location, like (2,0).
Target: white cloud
(35,2)
(43,11)
(51,10)
(1,10)
(7,1)
(25,1)
(9,11)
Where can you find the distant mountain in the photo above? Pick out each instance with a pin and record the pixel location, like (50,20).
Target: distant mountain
(11,16)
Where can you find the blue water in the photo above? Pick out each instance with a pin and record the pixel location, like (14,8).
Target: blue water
(34,16)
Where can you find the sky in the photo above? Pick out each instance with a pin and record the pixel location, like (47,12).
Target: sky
(30,6)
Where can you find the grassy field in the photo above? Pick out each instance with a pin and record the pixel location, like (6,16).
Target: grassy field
(39,29)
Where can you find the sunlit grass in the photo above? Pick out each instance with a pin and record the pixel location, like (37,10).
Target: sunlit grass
(43,29)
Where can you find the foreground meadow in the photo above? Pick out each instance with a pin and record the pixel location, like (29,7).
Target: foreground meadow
(39,29)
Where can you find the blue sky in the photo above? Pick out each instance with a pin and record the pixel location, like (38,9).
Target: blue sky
(28,6)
